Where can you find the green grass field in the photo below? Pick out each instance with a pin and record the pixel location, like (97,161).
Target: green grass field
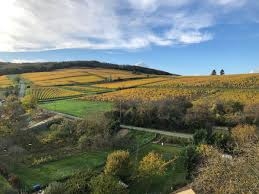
(57,170)
(4,185)
(78,108)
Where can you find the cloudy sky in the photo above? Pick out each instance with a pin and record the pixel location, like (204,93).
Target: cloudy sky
(180,36)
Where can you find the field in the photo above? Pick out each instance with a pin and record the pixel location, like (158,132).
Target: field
(89,90)
(78,107)
(56,170)
(50,93)
(243,88)
(4,81)
(131,83)
(77,76)
(227,81)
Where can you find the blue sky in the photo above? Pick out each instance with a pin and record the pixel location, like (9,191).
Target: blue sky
(187,37)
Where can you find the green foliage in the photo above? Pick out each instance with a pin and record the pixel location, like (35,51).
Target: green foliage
(201,136)
(106,184)
(191,158)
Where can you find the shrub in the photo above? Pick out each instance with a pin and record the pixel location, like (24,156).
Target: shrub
(106,184)
(118,164)
(55,188)
(14,181)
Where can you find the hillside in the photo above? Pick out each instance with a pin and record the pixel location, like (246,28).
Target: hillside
(15,68)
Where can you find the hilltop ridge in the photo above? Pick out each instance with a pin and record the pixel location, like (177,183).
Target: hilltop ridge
(17,68)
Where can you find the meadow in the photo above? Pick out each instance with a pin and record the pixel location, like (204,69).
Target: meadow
(78,108)
(60,169)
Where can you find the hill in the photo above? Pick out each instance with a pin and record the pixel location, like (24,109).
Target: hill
(15,68)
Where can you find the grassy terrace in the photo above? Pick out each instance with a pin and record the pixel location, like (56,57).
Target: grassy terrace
(56,170)
(78,108)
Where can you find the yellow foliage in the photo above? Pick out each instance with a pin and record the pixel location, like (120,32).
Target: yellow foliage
(152,165)
(243,133)
(4,82)
(45,93)
(131,83)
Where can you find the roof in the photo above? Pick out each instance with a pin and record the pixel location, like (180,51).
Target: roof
(188,191)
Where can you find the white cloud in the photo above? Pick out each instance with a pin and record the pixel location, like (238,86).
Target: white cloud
(27,60)
(29,25)
(256,70)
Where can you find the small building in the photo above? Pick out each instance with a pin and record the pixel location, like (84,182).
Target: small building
(185,190)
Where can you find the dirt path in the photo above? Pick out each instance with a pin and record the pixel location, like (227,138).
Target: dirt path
(167,133)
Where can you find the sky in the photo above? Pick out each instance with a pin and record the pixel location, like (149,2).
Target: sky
(187,37)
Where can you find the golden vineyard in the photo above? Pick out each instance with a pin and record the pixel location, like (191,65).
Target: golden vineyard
(98,84)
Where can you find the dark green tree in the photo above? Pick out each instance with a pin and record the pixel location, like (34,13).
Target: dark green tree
(222,72)
(214,72)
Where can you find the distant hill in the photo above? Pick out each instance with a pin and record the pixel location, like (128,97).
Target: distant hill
(17,68)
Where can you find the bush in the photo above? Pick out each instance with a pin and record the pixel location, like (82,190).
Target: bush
(79,183)
(55,188)
(118,164)
(106,184)
(14,181)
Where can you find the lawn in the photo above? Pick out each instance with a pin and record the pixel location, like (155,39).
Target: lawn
(4,185)
(78,108)
(175,174)
(57,170)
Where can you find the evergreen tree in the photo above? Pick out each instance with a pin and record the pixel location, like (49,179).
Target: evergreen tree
(214,72)
(222,72)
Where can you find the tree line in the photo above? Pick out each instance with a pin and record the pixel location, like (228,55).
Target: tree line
(14,68)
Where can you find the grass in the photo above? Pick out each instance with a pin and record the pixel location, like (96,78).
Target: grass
(175,174)
(78,108)
(57,170)
(142,138)
(4,185)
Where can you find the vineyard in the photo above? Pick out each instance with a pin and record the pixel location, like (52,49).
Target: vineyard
(151,94)
(243,88)
(4,82)
(77,76)
(230,81)
(88,89)
(49,93)
(98,84)
(131,83)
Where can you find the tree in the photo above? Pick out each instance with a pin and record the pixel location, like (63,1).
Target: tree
(191,157)
(29,102)
(222,72)
(214,72)
(118,164)
(218,174)
(107,184)
(79,183)
(151,165)
(201,136)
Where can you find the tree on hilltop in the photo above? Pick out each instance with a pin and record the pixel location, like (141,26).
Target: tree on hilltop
(214,72)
